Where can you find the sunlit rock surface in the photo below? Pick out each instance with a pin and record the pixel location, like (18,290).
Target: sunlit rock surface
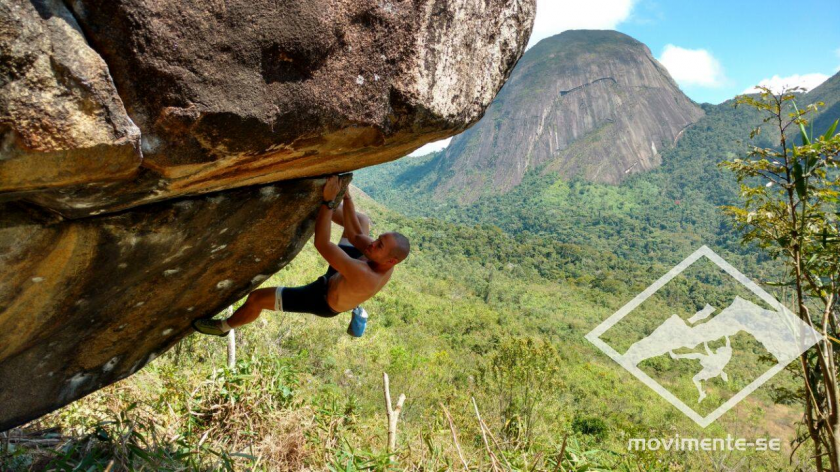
(158,160)
(61,120)
(253,91)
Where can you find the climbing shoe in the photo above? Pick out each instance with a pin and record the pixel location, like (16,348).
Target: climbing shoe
(212,327)
(357,322)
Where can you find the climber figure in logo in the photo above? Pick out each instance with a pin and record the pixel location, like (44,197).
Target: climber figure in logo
(359,267)
(713,364)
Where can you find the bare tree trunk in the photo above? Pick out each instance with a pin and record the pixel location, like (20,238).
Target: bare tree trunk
(231,343)
(494,461)
(393,416)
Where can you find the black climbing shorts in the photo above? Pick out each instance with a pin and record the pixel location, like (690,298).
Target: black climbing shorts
(310,298)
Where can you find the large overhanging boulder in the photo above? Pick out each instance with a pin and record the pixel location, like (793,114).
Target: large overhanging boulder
(247,92)
(158,160)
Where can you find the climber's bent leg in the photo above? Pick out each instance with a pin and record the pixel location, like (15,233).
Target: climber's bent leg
(310,298)
(258,300)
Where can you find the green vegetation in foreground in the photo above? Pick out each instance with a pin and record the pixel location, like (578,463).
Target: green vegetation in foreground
(475,312)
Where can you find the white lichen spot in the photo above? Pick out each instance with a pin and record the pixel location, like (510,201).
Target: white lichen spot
(258,279)
(149,143)
(191,308)
(96,212)
(184,204)
(223,231)
(360,80)
(169,272)
(178,254)
(257,259)
(218,248)
(224,284)
(109,366)
(121,327)
(37,280)
(139,304)
(216,199)
(73,384)
(122,265)
(80,302)
(167,331)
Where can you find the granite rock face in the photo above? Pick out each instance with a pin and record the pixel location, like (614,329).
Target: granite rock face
(158,160)
(592,104)
(61,119)
(245,92)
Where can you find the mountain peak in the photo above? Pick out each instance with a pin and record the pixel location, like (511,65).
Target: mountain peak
(588,36)
(589,103)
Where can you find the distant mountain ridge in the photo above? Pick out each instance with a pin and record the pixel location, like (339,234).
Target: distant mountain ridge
(594,104)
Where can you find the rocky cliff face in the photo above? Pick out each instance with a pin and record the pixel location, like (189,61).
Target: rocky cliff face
(156,158)
(593,104)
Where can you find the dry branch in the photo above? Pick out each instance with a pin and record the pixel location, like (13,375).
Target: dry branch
(393,415)
(455,437)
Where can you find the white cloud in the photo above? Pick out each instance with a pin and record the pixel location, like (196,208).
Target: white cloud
(431,147)
(776,83)
(690,67)
(556,16)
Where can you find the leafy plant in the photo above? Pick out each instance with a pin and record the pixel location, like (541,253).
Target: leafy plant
(521,374)
(790,208)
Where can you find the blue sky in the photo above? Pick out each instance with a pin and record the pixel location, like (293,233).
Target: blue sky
(714,49)
(750,40)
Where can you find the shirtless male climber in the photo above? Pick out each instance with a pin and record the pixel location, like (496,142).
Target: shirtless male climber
(358,270)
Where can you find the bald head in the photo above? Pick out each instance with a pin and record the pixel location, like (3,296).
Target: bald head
(401,246)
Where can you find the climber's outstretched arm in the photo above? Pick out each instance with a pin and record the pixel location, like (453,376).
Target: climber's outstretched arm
(356,230)
(334,256)
(338,215)
(364,220)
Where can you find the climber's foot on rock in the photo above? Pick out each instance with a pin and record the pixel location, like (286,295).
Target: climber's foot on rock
(212,327)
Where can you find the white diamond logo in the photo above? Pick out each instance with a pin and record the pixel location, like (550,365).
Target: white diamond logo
(782,334)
